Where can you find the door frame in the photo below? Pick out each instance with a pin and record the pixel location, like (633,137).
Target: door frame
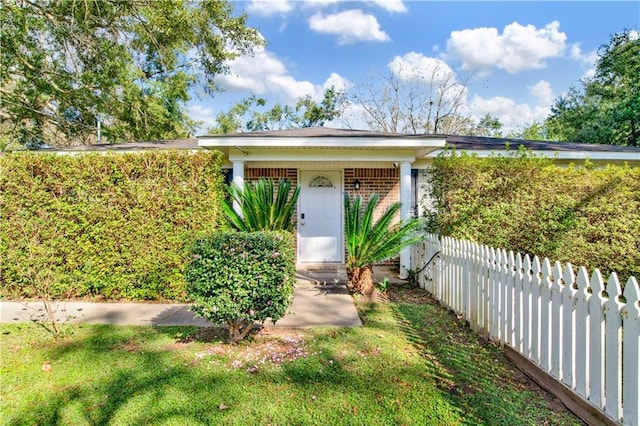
(340,185)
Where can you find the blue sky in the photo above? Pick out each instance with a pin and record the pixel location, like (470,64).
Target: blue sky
(516,57)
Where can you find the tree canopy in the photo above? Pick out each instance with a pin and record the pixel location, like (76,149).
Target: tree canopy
(129,64)
(606,108)
(250,114)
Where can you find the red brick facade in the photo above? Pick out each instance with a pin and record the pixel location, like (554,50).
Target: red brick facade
(384,182)
(275,173)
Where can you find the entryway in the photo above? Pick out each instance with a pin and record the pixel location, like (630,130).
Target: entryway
(320,217)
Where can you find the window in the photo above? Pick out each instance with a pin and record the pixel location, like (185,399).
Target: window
(320,182)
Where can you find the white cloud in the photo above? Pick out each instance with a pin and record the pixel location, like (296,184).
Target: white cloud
(206,115)
(336,81)
(513,116)
(390,5)
(265,74)
(587,60)
(416,66)
(350,26)
(431,74)
(543,93)
(395,6)
(518,48)
(320,3)
(269,7)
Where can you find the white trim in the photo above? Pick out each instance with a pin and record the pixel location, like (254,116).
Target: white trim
(238,179)
(560,155)
(405,200)
(320,142)
(302,155)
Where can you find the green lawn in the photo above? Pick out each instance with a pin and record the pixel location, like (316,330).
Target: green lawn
(412,363)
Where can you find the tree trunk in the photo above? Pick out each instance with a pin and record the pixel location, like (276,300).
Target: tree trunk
(361,281)
(238,329)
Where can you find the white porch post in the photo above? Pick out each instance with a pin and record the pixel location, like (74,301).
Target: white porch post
(405,199)
(238,179)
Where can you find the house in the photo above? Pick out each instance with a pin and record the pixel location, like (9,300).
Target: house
(328,162)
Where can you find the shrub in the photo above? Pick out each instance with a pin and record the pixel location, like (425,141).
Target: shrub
(520,202)
(115,225)
(240,278)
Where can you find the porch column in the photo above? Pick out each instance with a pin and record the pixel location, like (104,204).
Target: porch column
(238,179)
(405,213)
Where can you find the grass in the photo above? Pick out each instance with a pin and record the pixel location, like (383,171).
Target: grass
(412,363)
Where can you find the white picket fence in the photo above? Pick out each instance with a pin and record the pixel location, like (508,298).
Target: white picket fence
(570,325)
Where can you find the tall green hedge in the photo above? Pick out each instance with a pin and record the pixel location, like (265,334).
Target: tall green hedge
(524,203)
(116,225)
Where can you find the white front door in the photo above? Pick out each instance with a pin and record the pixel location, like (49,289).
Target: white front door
(320,216)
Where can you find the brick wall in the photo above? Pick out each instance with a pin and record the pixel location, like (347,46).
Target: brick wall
(384,182)
(251,175)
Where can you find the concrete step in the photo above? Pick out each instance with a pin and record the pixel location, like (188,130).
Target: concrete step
(321,277)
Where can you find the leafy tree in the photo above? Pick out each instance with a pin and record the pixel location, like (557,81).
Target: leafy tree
(245,115)
(262,208)
(489,126)
(409,102)
(370,241)
(130,64)
(535,131)
(606,109)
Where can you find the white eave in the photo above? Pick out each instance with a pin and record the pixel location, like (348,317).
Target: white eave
(559,155)
(360,148)
(323,142)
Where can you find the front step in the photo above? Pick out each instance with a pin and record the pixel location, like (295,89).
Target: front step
(322,267)
(321,274)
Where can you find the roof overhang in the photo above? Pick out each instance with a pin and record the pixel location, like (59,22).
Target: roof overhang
(341,148)
(560,155)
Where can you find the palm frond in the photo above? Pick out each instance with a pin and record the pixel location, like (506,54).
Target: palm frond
(259,209)
(370,241)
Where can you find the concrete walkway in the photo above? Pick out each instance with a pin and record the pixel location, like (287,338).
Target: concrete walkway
(319,300)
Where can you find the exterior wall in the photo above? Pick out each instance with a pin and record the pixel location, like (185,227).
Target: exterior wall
(384,182)
(251,174)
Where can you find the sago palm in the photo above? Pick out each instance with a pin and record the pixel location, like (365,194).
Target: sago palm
(370,241)
(262,209)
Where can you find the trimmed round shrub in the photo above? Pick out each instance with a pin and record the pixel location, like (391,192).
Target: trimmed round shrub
(241,278)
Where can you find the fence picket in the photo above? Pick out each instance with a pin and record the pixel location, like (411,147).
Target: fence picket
(581,340)
(596,340)
(534,321)
(488,264)
(571,325)
(631,353)
(556,321)
(545,315)
(568,326)
(493,315)
(526,306)
(612,348)
(516,320)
